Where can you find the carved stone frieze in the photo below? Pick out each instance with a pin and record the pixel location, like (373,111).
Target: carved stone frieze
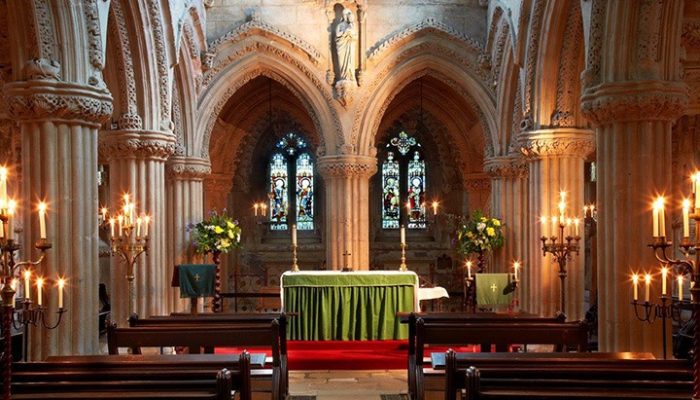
(94,35)
(161,59)
(563,142)
(187,168)
(635,101)
(42,69)
(506,167)
(348,166)
(125,64)
(591,75)
(533,44)
(569,69)
(153,145)
(129,122)
(37,99)
(691,34)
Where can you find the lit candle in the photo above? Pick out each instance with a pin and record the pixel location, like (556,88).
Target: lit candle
(11,208)
(294,235)
(635,285)
(562,207)
(647,281)
(655,218)
(664,275)
(585,211)
(516,266)
(469,269)
(147,221)
(2,230)
(403,235)
(555,226)
(680,287)
(435,206)
(592,208)
(139,221)
(103,211)
(686,218)
(42,220)
(27,276)
(39,286)
(408,206)
(13,285)
(61,285)
(255,207)
(111,226)
(132,209)
(543,222)
(569,222)
(662,219)
(3,184)
(577,222)
(126,198)
(120,219)
(696,189)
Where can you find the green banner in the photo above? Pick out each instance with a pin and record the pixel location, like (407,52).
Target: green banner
(196,280)
(493,289)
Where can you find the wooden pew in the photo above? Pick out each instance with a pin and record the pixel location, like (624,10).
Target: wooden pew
(564,376)
(134,377)
(195,336)
(500,333)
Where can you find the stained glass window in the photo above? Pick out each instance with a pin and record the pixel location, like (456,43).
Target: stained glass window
(416,192)
(278,192)
(291,143)
(305,193)
(403,184)
(391,195)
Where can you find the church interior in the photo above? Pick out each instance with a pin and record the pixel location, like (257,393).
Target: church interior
(350,199)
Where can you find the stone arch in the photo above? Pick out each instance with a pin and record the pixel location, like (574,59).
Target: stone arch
(280,59)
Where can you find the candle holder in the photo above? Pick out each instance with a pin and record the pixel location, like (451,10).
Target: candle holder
(562,247)
(650,312)
(295,265)
(403,267)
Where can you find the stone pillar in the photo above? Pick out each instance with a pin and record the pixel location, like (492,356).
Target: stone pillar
(556,163)
(185,206)
(509,204)
(217,187)
(137,166)
(59,122)
(346,180)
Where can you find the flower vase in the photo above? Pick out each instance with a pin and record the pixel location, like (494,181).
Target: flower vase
(217,305)
(480,262)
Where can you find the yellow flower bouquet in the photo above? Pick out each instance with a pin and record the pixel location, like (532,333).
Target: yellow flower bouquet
(479,234)
(219,233)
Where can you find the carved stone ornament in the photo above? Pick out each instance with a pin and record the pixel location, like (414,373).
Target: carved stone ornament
(691,34)
(57,100)
(188,169)
(347,166)
(506,167)
(153,145)
(635,101)
(567,142)
(41,68)
(478,184)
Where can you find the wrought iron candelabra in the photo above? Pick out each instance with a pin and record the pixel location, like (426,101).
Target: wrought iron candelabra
(650,312)
(562,246)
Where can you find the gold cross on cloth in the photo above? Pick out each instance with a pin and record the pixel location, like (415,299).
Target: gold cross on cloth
(196,277)
(493,287)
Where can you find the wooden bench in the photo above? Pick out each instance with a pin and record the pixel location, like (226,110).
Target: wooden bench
(564,376)
(501,333)
(134,377)
(196,334)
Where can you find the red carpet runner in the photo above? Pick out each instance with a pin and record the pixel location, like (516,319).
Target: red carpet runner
(344,355)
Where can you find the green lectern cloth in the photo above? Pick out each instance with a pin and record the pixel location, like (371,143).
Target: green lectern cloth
(490,287)
(348,305)
(196,280)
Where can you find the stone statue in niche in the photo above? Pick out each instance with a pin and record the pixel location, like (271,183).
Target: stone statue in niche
(345,46)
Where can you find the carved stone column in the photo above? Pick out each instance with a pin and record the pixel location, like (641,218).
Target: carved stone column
(556,163)
(185,206)
(346,179)
(509,204)
(59,122)
(137,166)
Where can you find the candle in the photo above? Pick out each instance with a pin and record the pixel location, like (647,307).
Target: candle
(469,269)
(562,207)
(11,208)
(27,276)
(403,235)
(2,230)
(585,211)
(662,219)
(655,218)
(543,222)
(555,226)
(647,281)
(686,218)
(408,206)
(680,287)
(61,285)
(635,285)
(255,207)
(103,211)
(569,222)
(3,184)
(664,275)
(435,206)
(132,207)
(294,235)
(39,286)
(147,221)
(577,222)
(42,220)
(13,285)
(111,226)
(696,189)
(516,266)
(139,221)
(120,219)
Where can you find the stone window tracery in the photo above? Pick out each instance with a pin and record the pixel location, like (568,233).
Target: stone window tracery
(403,184)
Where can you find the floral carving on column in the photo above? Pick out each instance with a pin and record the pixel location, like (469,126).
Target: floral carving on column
(148,145)
(347,166)
(187,168)
(559,142)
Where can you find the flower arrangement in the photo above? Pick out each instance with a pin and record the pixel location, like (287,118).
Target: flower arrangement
(479,234)
(219,233)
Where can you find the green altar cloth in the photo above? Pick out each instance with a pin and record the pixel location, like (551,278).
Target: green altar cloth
(348,305)
(195,280)
(490,289)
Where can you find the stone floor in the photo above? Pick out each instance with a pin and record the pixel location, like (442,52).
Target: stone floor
(348,385)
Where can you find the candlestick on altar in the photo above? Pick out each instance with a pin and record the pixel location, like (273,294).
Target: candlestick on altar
(403,267)
(295,266)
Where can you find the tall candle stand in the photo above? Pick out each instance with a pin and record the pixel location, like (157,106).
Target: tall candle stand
(295,265)
(562,247)
(403,267)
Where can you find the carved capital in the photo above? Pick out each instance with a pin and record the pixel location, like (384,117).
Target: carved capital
(56,100)
(187,168)
(152,145)
(506,167)
(347,166)
(563,142)
(634,101)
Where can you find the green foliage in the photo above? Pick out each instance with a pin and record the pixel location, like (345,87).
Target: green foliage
(218,233)
(479,234)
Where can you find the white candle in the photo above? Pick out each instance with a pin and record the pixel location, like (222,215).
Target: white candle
(635,285)
(3,184)
(2,230)
(469,269)
(104,213)
(255,207)
(139,221)
(435,206)
(120,219)
(11,208)
(577,222)
(696,189)
(13,285)
(686,218)
(664,275)
(543,222)
(662,220)
(294,235)
(132,209)
(61,285)
(147,221)
(403,234)
(647,281)
(555,226)
(516,266)
(562,207)
(680,287)
(42,220)
(111,226)
(39,286)
(27,276)
(655,219)
(585,211)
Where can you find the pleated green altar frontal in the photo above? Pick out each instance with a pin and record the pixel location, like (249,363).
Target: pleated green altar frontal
(348,306)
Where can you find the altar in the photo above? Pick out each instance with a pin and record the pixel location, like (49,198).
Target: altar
(361,305)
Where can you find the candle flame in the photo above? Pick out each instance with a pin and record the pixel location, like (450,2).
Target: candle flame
(435,204)
(635,278)
(14,283)
(39,282)
(147,219)
(680,279)
(11,207)
(664,271)
(659,203)
(516,264)
(647,278)
(126,198)
(543,219)
(577,221)
(61,283)
(686,204)
(469,263)
(3,173)
(27,274)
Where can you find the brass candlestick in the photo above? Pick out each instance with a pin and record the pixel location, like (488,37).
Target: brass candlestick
(402,267)
(295,266)
(562,247)
(129,251)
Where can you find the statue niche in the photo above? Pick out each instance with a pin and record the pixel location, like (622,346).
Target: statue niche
(344,45)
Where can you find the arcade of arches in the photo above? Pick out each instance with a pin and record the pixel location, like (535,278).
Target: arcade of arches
(503,103)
